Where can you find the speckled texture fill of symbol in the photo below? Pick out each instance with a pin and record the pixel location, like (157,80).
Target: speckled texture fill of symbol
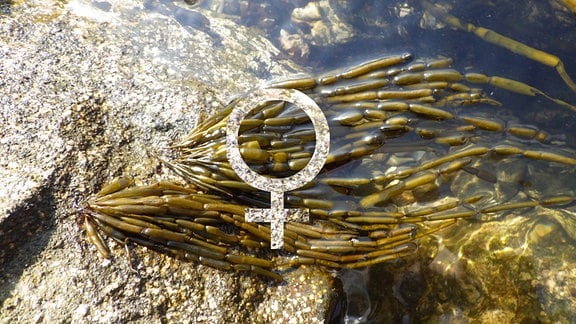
(277,215)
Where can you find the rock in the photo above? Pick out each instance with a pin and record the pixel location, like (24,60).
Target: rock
(90,91)
(326,27)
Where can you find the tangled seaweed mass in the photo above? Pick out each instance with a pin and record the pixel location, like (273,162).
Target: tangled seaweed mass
(415,145)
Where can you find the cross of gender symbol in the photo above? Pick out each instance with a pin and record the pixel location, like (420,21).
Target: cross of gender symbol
(277,214)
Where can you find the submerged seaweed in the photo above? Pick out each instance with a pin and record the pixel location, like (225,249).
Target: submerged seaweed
(415,145)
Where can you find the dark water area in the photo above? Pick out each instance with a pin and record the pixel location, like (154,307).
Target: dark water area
(473,54)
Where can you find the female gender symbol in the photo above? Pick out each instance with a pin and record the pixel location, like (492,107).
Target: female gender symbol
(277,215)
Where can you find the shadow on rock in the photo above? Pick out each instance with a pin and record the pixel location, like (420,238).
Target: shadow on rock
(23,236)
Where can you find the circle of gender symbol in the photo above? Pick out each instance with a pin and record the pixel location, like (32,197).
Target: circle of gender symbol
(277,215)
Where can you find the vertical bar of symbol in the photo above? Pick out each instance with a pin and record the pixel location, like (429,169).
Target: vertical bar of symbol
(277,214)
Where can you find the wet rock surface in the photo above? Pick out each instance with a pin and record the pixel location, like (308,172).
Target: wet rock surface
(90,91)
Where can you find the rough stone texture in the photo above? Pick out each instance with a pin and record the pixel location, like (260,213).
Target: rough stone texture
(89,93)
